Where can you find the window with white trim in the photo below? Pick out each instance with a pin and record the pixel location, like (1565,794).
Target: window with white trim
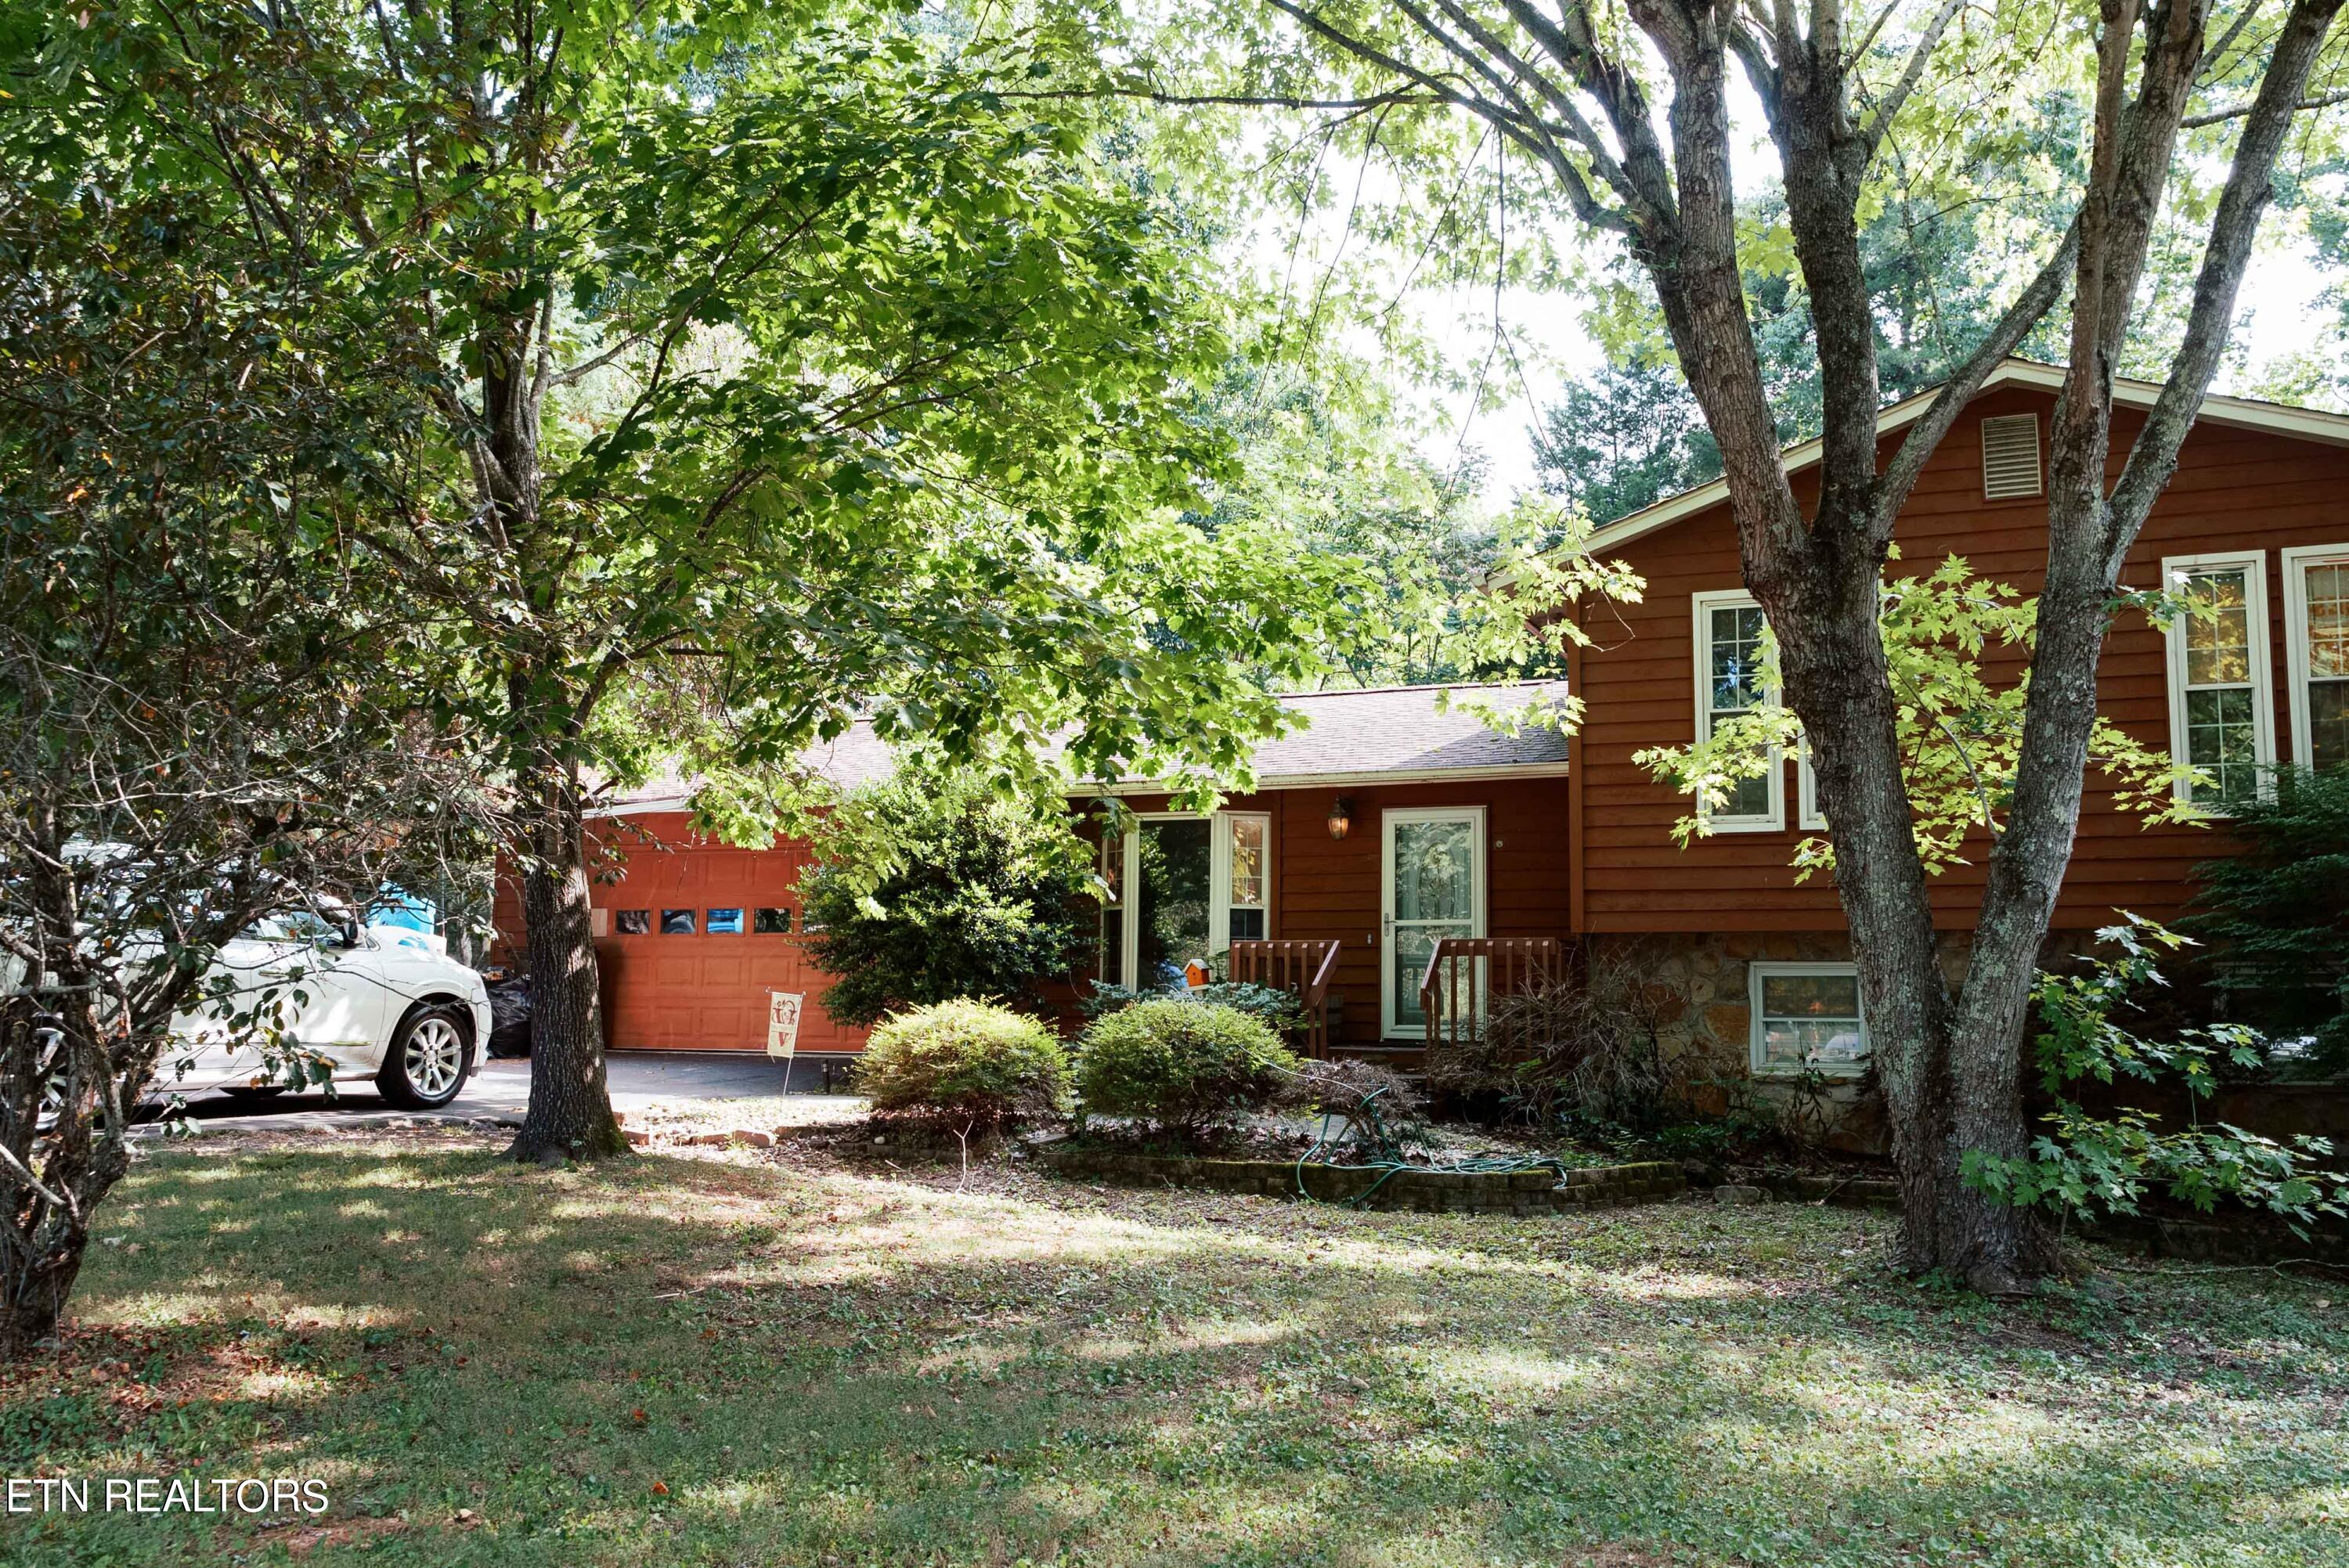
(1805,1018)
(1808,815)
(1180,889)
(2316,652)
(2220,708)
(1244,871)
(1729,628)
(1111,965)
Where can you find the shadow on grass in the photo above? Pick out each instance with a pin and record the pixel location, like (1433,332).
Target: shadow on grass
(697,1361)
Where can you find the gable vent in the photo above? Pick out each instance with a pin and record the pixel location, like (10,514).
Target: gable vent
(2010,456)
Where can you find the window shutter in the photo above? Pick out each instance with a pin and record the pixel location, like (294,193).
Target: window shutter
(2010,456)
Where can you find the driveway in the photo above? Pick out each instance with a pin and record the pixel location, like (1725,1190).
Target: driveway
(499,1091)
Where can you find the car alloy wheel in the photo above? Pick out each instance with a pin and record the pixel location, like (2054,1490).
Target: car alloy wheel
(429,1058)
(435,1058)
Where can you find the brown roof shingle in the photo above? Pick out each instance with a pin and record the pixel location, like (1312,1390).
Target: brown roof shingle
(1355,736)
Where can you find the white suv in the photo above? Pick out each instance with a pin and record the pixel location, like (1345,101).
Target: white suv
(380,1003)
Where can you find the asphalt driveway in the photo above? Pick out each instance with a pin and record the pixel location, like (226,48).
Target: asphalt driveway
(499,1091)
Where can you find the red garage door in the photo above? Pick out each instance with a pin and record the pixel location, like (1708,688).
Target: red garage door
(685,965)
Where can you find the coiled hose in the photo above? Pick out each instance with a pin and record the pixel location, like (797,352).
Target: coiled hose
(1379,1151)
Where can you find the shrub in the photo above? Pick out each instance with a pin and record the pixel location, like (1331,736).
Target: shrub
(965,1063)
(2086,1165)
(1340,1087)
(928,888)
(1181,1065)
(2277,918)
(1383,1110)
(1280,1010)
(1584,1048)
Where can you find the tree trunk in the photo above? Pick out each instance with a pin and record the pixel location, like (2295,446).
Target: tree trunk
(1838,676)
(1996,1247)
(46,1231)
(32,1298)
(570,1113)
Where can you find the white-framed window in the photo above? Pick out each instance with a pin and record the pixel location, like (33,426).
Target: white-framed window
(1111,965)
(2221,709)
(1182,888)
(2316,652)
(1729,627)
(1808,815)
(1806,1017)
(1243,870)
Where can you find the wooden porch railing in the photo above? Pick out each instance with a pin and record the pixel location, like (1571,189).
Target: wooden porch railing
(1450,991)
(1303,966)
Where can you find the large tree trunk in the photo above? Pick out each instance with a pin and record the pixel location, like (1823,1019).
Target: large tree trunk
(45,1236)
(33,1296)
(1834,666)
(570,1113)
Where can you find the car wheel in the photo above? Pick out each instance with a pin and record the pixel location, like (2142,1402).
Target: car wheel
(428,1061)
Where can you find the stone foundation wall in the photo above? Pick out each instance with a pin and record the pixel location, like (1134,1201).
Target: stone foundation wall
(1428,1192)
(1700,983)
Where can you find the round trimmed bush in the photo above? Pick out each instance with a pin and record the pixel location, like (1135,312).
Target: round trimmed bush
(1181,1065)
(964,1063)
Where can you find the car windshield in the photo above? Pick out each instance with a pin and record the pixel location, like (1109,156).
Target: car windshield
(292,926)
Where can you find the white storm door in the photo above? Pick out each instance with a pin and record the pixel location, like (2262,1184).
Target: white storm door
(1432,881)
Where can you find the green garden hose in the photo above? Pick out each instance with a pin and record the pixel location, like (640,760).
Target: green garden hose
(1385,1156)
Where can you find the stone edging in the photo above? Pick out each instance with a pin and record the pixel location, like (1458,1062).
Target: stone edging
(1428,1192)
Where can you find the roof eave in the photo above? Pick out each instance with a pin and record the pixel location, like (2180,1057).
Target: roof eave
(1358,778)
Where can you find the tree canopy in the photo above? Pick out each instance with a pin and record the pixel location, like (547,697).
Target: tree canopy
(756,368)
(206,684)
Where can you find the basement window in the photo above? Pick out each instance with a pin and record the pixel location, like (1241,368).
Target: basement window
(2010,446)
(771,922)
(1805,1018)
(632,921)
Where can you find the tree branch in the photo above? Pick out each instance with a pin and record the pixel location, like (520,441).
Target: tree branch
(2238,110)
(1912,74)
(2037,298)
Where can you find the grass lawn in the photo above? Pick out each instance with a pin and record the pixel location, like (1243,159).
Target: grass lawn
(773,1358)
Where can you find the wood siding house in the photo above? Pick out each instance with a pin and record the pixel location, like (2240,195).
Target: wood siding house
(1388,823)
(2257,517)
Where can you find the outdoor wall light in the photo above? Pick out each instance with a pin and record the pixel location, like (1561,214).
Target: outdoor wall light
(1341,817)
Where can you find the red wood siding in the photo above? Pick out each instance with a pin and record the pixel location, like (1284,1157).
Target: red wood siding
(2234,491)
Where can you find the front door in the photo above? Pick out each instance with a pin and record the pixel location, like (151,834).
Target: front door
(1433,873)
